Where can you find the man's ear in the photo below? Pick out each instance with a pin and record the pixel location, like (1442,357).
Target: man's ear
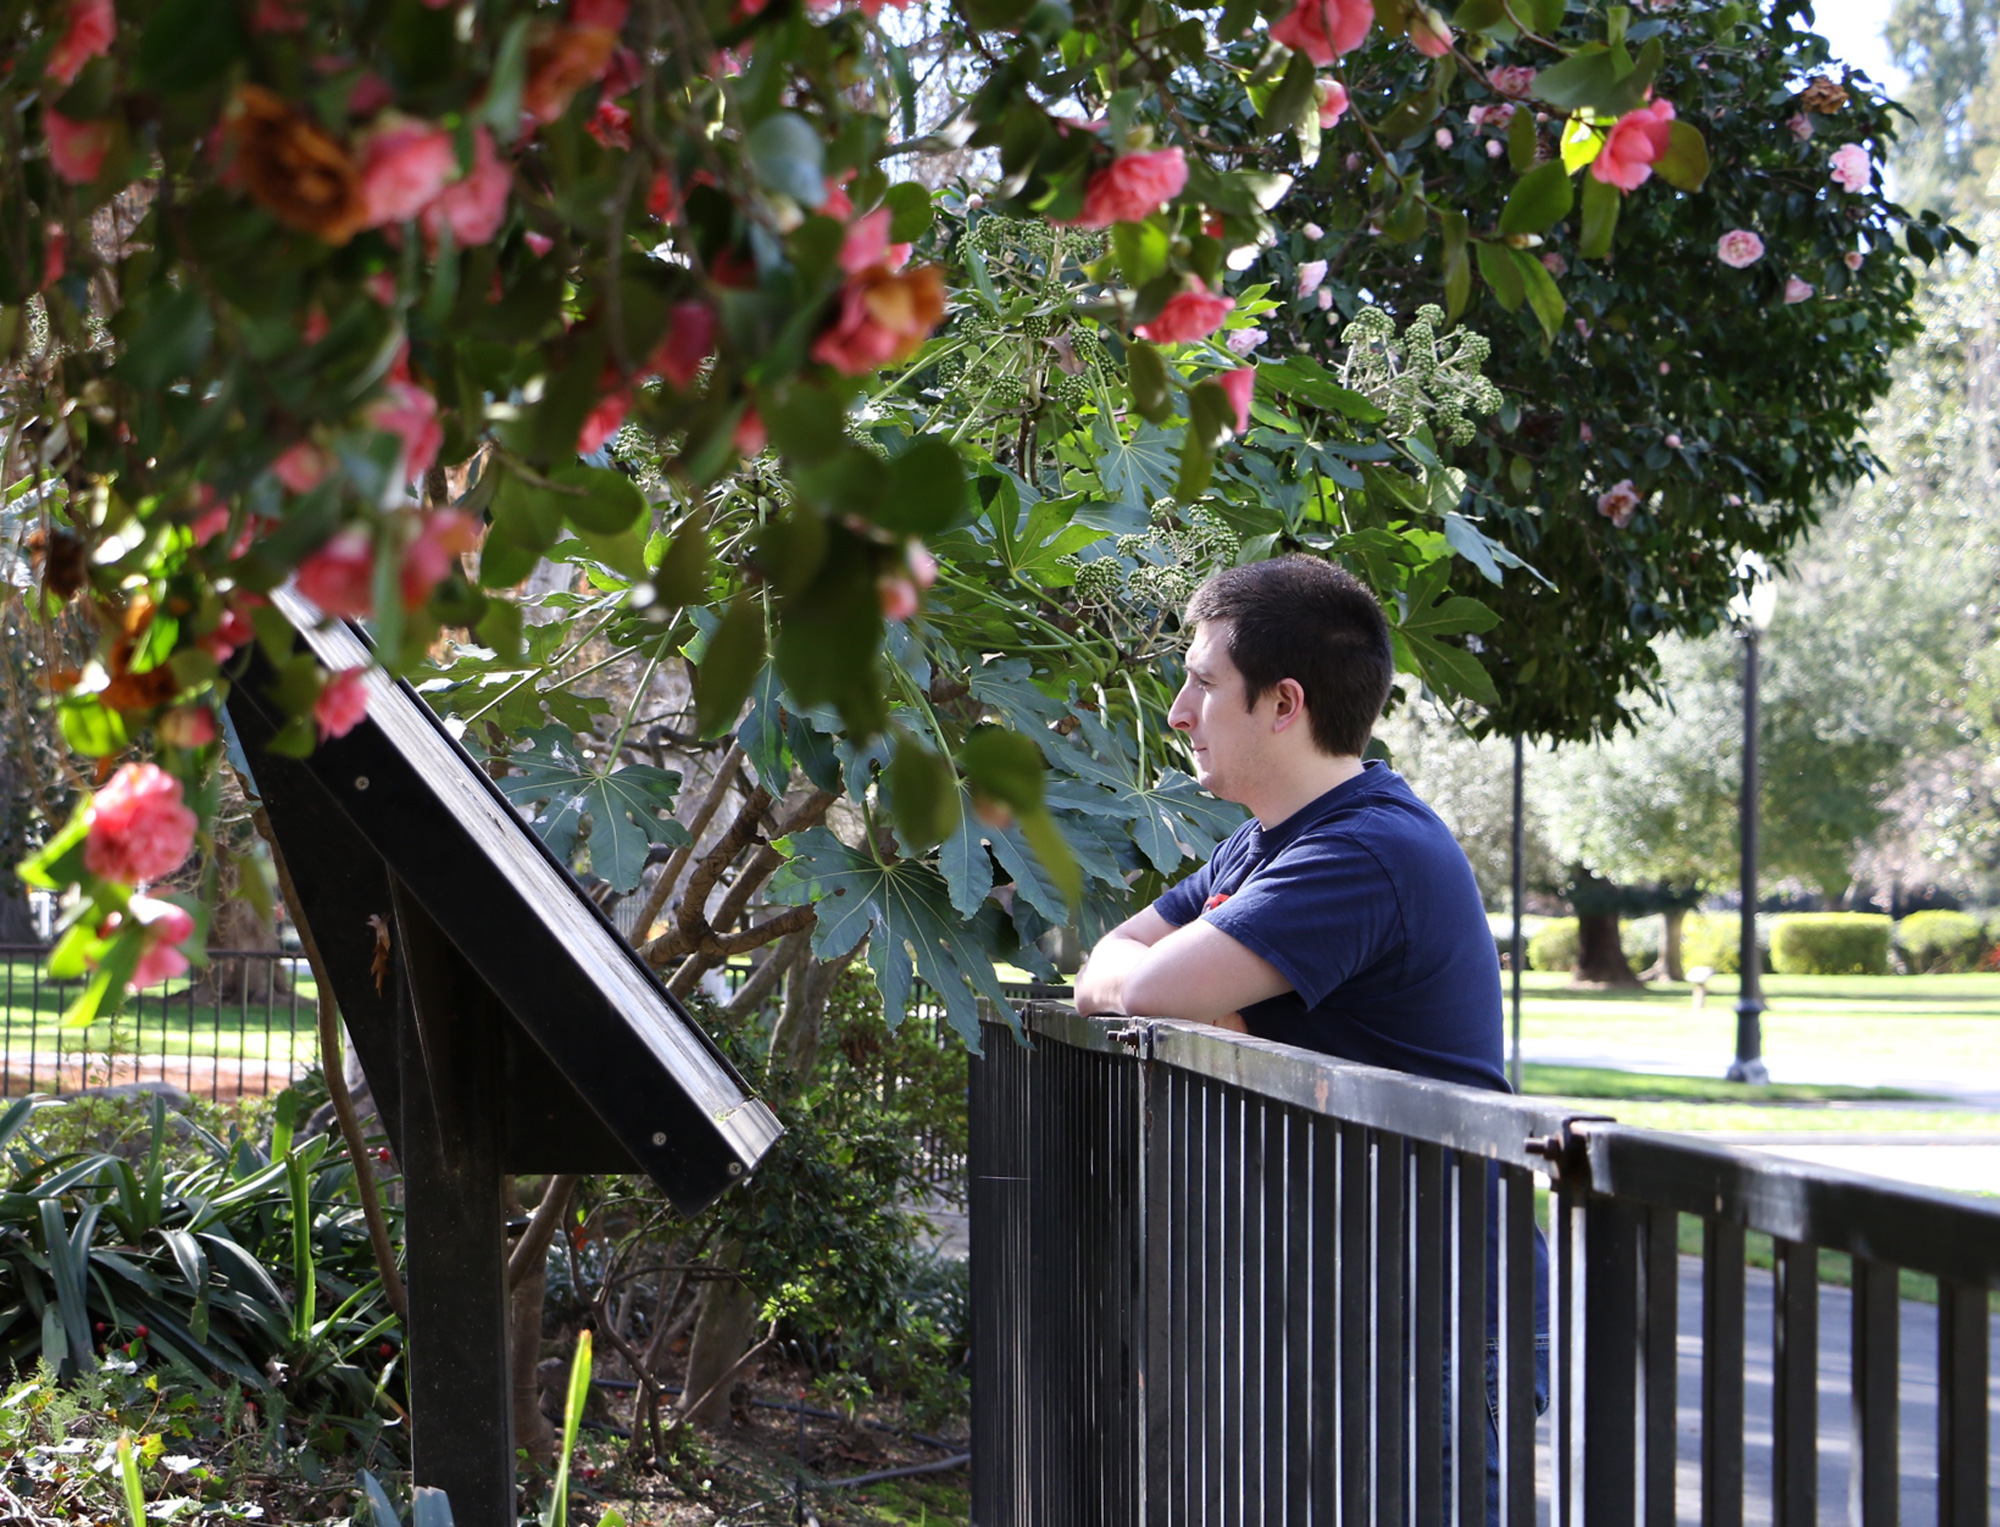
(1290,708)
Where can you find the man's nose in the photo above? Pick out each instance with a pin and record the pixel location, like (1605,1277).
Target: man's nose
(1180,715)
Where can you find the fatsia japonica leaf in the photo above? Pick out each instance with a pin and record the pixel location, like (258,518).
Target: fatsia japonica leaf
(561,789)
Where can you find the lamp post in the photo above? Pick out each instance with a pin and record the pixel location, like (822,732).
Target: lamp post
(1753,609)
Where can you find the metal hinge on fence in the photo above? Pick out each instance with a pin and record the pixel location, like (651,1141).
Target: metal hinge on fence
(1564,1152)
(1137,1037)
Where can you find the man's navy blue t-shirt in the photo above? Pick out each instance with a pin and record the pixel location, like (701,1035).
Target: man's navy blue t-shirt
(1364,901)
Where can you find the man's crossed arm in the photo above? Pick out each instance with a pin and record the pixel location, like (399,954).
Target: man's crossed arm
(1149,968)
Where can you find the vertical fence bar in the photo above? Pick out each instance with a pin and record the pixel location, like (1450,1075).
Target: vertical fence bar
(1566,1361)
(1236,1250)
(1354,1268)
(1323,1365)
(1722,1374)
(1795,1385)
(1431,1279)
(1278,1244)
(1305,1288)
(1964,1320)
(1608,1398)
(1517,1274)
(1661,1299)
(1391,1341)
(1157,1233)
(1872,1482)
(1215,1298)
(1468,1463)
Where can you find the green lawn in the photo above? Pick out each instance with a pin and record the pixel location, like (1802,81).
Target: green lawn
(161,1017)
(1814,1025)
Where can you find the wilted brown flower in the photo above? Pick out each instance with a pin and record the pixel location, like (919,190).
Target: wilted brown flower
(1822,95)
(296,172)
(563,63)
(60,552)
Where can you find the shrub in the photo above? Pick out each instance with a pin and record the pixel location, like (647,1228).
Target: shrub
(1555,946)
(1831,944)
(1936,942)
(1640,938)
(1713,939)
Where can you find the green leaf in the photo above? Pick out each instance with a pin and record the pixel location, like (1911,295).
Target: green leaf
(1500,272)
(1483,16)
(923,795)
(1457,263)
(529,516)
(1596,80)
(1429,614)
(1003,766)
(1582,141)
(925,490)
(1147,371)
(1685,163)
(1056,857)
(1211,418)
(187,44)
(1295,96)
(735,654)
(910,211)
(560,789)
(788,157)
(1310,382)
(170,339)
(682,576)
(1601,204)
(599,499)
(1521,140)
(1540,199)
(501,110)
(1544,296)
(907,916)
(1141,249)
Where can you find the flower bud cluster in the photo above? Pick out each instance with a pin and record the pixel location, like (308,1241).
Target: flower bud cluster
(1420,375)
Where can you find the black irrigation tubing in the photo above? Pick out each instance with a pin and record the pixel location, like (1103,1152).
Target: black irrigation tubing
(805,1410)
(935,1466)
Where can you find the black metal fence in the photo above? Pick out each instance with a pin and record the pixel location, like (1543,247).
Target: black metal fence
(245,1025)
(1206,1268)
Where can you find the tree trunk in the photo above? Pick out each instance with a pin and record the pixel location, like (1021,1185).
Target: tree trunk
(240,924)
(532,1429)
(1670,943)
(1600,959)
(722,1334)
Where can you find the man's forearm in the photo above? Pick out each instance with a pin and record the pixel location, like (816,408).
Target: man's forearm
(1100,985)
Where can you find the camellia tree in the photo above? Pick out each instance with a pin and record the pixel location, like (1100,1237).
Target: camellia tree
(269,271)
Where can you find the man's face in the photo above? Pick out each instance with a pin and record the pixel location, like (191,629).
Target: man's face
(1229,739)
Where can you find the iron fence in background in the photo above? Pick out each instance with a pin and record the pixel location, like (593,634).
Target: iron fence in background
(1206,1269)
(244,1026)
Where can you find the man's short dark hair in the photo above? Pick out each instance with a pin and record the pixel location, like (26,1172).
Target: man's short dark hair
(1298,617)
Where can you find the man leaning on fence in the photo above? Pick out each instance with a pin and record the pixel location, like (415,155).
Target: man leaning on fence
(1343,917)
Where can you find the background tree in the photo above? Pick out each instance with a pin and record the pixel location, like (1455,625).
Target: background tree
(1946,47)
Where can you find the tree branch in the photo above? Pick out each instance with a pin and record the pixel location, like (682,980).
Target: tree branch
(663,887)
(534,1242)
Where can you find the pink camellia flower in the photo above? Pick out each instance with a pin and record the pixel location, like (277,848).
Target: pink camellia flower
(1132,187)
(279,16)
(164,927)
(750,436)
(302,466)
(1585,433)
(139,830)
(1516,81)
(91,28)
(1620,504)
(1665,367)
(899,597)
(212,519)
(689,340)
(1797,290)
(1634,142)
(610,125)
(602,422)
(882,316)
(1851,170)
(1310,274)
(923,566)
(232,631)
(342,704)
(187,726)
(1496,115)
(475,207)
(1430,35)
(540,243)
(76,149)
(867,243)
(406,410)
(1243,341)
(382,287)
(1739,247)
(1325,29)
(1239,385)
(443,535)
(340,576)
(1187,315)
(1801,125)
(838,203)
(404,164)
(1333,103)
(1853,259)
(55,256)
(1672,442)
(1495,148)
(1443,137)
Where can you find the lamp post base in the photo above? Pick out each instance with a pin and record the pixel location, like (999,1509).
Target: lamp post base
(1750,1072)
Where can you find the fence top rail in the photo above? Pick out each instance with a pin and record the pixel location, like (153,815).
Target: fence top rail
(1948,1235)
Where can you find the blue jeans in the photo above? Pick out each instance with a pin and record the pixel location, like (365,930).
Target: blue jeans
(1493,1419)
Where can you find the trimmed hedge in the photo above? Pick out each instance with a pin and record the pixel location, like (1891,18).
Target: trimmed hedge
(1831,944)
(1556,946)
(1713,939)
(1934,943)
